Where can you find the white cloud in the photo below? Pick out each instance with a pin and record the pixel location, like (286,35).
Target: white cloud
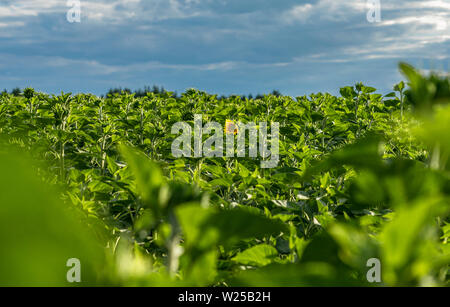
(24,8)
(96,68)
(331,10)
(408,28)
(112,11)
(299,13)
(12,24)
(439,21)
(427,4)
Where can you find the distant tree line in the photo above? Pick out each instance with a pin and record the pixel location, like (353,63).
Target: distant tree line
(151,89)
(140,92)
(161,90)
(15,92)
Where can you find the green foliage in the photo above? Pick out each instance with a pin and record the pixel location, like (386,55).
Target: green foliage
(38,233)
(360,177)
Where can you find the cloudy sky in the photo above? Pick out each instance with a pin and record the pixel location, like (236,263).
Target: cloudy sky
(221,46)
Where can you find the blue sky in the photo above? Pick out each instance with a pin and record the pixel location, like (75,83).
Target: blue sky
(220,46)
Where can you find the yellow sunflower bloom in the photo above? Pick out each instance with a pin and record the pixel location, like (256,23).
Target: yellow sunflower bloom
(230,127)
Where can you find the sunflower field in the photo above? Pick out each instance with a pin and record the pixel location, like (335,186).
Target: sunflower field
(362,184)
